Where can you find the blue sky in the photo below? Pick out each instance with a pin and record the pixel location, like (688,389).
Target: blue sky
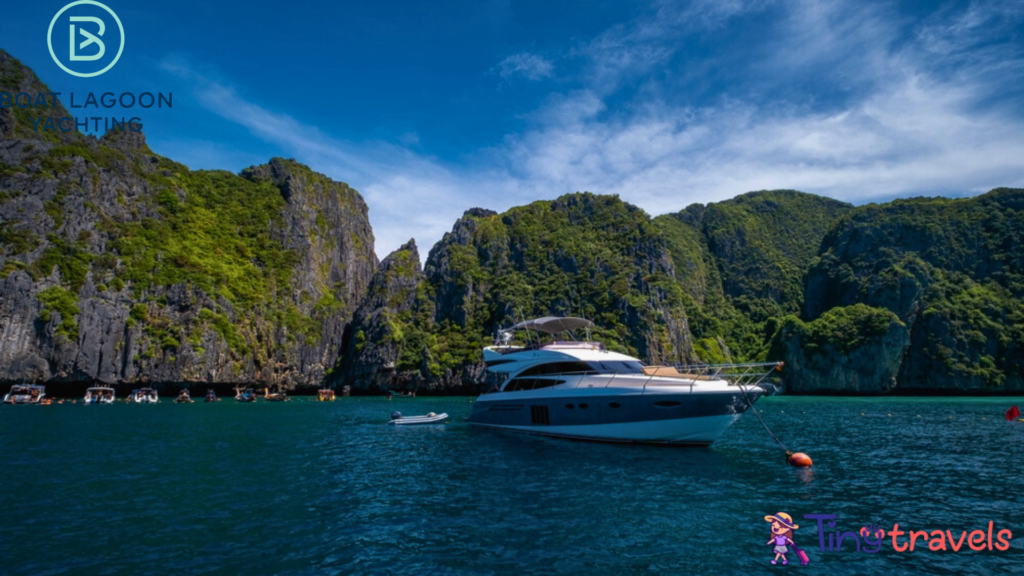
(430,108)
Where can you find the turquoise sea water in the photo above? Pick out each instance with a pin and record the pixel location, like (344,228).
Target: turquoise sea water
(328,488)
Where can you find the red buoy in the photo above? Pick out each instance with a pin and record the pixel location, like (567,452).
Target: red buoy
(800,460)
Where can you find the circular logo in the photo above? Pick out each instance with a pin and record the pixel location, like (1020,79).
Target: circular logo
(78,29)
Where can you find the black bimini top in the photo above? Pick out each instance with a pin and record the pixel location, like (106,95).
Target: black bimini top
(553,324)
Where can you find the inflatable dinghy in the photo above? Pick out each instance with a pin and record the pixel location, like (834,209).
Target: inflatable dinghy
(398,420)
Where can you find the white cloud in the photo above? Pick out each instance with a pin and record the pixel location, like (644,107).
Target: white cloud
(951,33)
(909,130)
(634,49)
(527,65)
(921,120)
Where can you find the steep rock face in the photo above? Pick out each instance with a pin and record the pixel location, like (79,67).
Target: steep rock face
(375,338)
(325,223)
(581,254)
(762,243)
(952,270)
(851,350)
(122,266)
(741,262)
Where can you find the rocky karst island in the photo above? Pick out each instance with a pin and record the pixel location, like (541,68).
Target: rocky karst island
(123,267)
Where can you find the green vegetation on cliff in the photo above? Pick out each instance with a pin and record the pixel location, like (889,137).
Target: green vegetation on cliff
(210,231)
(65,303)
(762,243)
(140,268)
(580,255)
(206,230)
(741,264)
(952,269)
(840,329)
(849,349)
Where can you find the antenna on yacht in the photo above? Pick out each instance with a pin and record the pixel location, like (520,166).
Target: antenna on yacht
(522,318)
(583,314)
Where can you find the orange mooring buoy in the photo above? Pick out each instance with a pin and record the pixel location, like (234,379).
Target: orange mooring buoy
(800,460)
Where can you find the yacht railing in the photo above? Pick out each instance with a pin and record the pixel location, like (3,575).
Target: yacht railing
(747,374)
(738,374)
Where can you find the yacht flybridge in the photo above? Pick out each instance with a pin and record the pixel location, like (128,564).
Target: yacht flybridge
(579,389)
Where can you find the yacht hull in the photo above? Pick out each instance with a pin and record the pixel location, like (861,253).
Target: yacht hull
(699,431)
(684,419)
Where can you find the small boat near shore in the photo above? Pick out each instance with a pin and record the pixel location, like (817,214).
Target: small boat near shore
(99,395)
(144,396)
(25,394)
(184,397)
(248,395)
(325,395)
(430,418)
(275,396)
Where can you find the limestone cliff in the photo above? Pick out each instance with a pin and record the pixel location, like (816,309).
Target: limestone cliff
(581,254)
(951,270)
(375,340)
(119,265)
(849,350)
(122,266)
(741,264)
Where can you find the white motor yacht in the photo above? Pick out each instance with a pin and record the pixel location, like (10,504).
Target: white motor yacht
(581,390)
(99,395)
(25,394)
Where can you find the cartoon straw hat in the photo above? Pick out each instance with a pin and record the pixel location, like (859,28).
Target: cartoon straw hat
(782,518)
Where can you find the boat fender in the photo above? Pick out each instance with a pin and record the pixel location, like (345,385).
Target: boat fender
(396,415)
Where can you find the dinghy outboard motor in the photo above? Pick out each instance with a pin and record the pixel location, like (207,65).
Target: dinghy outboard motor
(396,415)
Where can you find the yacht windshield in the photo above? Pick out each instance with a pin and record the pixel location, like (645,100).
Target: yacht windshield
(617,367)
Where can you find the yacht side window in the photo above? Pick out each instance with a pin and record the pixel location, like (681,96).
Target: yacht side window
(558,368)
(618,367)
(530,384)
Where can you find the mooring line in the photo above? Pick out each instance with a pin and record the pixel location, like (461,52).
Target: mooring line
(789,454)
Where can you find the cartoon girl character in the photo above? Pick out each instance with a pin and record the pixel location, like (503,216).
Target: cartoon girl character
(782,535)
